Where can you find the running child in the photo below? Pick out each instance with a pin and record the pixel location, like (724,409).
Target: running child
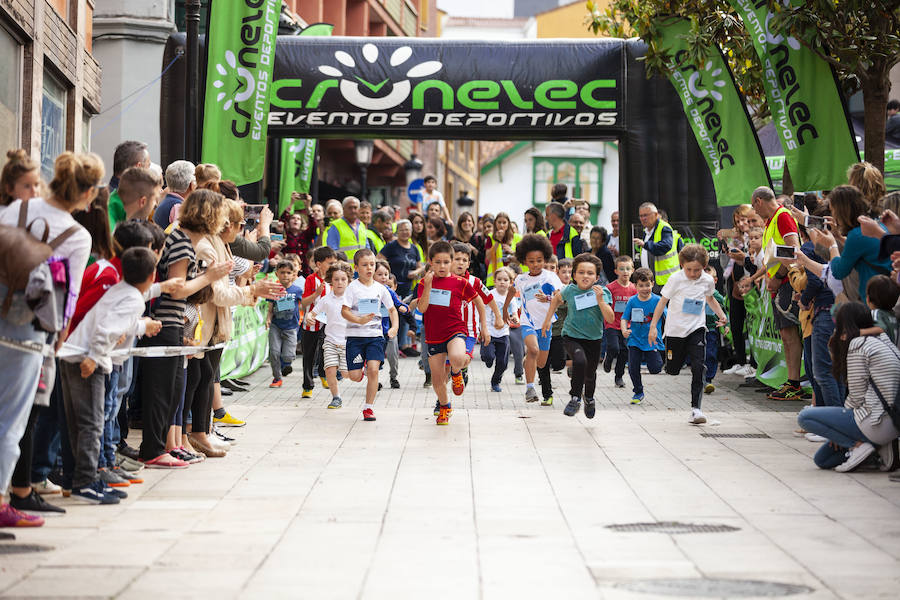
(365,340)
(391,345)
(496,353)
(312,336)
(327,311)
(556,358)
(440,301)
(685,329)
(635,327)
(283,321)
(462,257)
(712,334)
(587,310)
(622,290)
(536,287)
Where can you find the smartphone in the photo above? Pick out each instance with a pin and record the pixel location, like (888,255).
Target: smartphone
(276,237)
(813,222)
(785,252)
(251,215)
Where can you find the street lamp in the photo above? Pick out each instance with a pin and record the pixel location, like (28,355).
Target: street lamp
(413,168)
(364,151)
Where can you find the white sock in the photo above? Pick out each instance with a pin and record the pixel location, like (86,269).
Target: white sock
(369,406)
(529,386)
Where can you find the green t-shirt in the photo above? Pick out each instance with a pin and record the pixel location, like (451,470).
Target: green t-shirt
(887,321)
(116,210)
(586,323)
(557,327)
(711,317)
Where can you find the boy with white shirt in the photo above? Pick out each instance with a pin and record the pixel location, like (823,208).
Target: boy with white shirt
(327,311)
(365,340)
(687,292)
(113,322)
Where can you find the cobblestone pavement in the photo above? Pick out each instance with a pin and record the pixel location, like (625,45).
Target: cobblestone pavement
(512,500)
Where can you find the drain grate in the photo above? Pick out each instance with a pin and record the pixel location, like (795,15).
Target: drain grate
(715,588)
(23,548)
(671,527)
(752,436)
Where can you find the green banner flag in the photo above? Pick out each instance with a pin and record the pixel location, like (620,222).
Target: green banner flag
(298,158)
(241,43)
(716,112)
(805,103)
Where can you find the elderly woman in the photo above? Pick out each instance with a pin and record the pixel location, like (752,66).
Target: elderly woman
(333,210)
(217,324)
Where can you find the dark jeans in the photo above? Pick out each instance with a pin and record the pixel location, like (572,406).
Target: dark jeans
(585,359)
(712,354)
(21,476)
(830,392)
(838,425)
(47,435)
(616,350)
(496,354)
(311,345)
(635,357)
(693,348)
(110,419)
(83,400)
(737,318)
(160,386)
(130,407)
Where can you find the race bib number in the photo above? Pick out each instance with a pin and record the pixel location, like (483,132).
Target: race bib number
(637,315)
(369,306)
(586,300)
(322,318)
(619,306)
(513,306)
(692,307)
(530,292)
(439,297)
(384,311)
(285,305)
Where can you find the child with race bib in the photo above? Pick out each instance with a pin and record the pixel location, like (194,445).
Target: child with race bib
(327,311)
(635,327)
(622,290)
(587,310)
(496,353)
(686,293)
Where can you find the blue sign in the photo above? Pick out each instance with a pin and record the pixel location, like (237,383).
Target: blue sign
(415,191)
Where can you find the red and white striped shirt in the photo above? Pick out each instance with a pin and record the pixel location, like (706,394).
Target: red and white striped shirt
(470,311)
(312,284)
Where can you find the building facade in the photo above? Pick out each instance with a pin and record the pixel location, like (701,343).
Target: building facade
(51,80)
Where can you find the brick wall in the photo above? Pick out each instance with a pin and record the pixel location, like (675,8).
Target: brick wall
(60,44)
(21,12)
(91,78)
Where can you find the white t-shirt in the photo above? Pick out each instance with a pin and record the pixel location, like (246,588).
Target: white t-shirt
(428,199)
(687,303)
(613,243)
(373,297)
(77,248)
(330,306)
(499,299)
(527,284)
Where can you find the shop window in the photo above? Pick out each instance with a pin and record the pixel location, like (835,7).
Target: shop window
(53,124)
(11,91)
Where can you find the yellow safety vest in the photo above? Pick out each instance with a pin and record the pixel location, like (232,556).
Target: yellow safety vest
(665,265)
(349,242)
(497,262)
(771,233)
(376,240)
(568,246)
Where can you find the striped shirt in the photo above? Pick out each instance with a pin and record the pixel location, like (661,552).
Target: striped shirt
(168,310)
(470,311)
(878,358)
(311,284)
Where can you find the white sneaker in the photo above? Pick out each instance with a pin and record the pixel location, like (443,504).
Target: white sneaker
(734,369)
(46,487)
(748,371)
(816,439)
(855,457)
(218,444)
(697,417)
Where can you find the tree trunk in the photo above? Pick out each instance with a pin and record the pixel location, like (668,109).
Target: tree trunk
(875,89)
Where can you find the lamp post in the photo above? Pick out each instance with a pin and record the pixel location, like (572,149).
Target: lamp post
(192,79)
(364,150)
(413,168)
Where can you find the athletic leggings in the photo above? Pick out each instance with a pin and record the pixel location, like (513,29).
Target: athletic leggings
(585,359)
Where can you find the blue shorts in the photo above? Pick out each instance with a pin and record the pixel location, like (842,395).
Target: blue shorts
(435,349)
(363,349)
(543,340)
(470,345)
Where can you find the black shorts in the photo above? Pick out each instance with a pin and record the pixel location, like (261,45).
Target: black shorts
(784,309)
(435,349)
(679,348)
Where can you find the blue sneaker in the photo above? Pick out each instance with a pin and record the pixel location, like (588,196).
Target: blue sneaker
(496,388)
(336,402)
(637,398)
(95,493)
(590,408)
(572,407)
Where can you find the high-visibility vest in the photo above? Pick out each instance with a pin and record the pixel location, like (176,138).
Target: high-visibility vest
(771,233)
(665,265)
(497,260)
(568,246)
(349,242)
(377,242)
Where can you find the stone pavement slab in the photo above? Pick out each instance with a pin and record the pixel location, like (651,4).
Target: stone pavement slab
(512,500)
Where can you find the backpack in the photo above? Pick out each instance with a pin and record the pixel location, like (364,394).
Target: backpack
(25,263)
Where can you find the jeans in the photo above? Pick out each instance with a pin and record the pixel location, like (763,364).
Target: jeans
(585,359)
(517,349)
(21,476)
(47,436)
(19,373)
(712,354)
(830,392)
(635,357)
(110,418)
(403,330)
(424,357)
(496,354)
(84,400)
(282,348)
(616,350)
(392,355)
(838,425)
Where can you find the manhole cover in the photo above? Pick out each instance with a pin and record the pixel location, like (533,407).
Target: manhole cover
(755,436)
(714,588)
(23,548)
(671,527)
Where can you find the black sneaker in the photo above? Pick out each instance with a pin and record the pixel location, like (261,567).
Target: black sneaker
(395,385)
(437,407)
(286,370)
(239,382)
(380,386)
(590,407)
(115,492)
(619,382)
(33,502)
(572,407)
(126,450)
(95,493)
(410,351)
(607,363)
(427,380)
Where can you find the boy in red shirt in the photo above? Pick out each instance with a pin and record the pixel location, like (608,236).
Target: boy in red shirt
(621,289)
(440,301)
(312,335)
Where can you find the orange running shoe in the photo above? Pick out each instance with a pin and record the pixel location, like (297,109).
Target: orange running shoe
(444,415)
(457,383)
(276,383)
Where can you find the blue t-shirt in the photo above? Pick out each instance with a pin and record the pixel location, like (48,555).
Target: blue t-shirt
(286,313)
(639,314)
(386,319)
(402,261)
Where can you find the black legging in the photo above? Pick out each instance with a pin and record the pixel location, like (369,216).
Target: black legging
(556,360)
(738,316)
(311,345)
(21,477)
(585,359)
(160,382)
(198,393)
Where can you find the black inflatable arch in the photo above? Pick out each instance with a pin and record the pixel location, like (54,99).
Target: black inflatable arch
(348,87)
